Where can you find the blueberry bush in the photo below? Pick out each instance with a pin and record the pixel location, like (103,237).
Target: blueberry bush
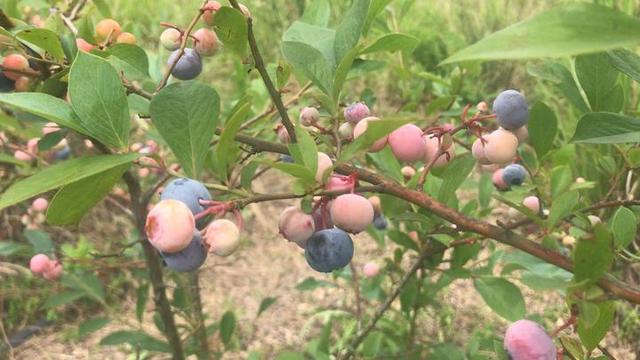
(517,186)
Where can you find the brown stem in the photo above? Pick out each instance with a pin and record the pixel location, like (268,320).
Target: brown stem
(259,63)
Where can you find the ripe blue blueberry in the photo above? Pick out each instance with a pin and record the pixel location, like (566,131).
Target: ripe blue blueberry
(286,159)
(329,250)
(188,259)
(514,174)
(6,84)
(380,222)
(189,192)
(64,153)
(188,67)
(511,109)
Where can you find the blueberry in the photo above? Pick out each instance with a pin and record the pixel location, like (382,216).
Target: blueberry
(188,67)
(286,159)
(514,174)
(329,250)
(380,222)
(188,259)
(6,84)
(64,153)
(511,110)
(189,192)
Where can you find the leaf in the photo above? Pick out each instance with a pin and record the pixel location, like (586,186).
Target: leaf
(63,299)
(593,256)
(40,241)
(402,239)
(572,346)
(8,248)
(227,326)
(99,100)
(627,62)
(132,55)
(502,296)
(92,325)
(392,43)
(562,78)
(566,30)
(607,128)
(295,170)
(312,284)
(75,200)
(227,138)
(562,206)
(349,31)
(376,8)
(45,39)
(265,304)
(50,140)
(543,127)
(305,151)
(45,106)
(599,80)
(62,174)
(375,130)
(592,335)
(88,283)
(624,226)
(136,339)
(454,175)
(317,12)
(342,71)
(142,295)
(232,29)
(186,114)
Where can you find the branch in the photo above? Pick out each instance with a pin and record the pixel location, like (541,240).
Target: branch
(273,92)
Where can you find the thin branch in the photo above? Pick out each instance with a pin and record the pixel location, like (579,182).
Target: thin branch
(259,63)
(270,110)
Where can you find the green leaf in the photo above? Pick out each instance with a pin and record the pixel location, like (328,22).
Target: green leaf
(343,71)
(624,226)
(317,12)
(63,299)
(136,339)
(502,296)
(607,128)
(349,31)
(92,325)
(599,80)
(50,140)
(99,100)
(376,8)
(295,170)
(265,304)
(562,206)
(62,174)
(627,62)
(566,30)
(74,201)
(402,239)
(312,284)
(8,248)
(543,127)
(562,78)
(227,326)
(142,295)
(40,241)
(593,256)
(46,107)
(132,55)
(227,138)
(592,334)
(232,29)
(88,283)
(391,43)
(103,8)
(454,175)
(185,114)
(45,39)
(375,130)
(572,346)
(305,151)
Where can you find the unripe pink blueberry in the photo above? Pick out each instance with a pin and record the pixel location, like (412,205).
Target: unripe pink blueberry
(370,269)
(107,29)
(283,134)
(497,180)
(309,116)
(532,203)
(477,149)
(49,128)
(501,146)
(482,107)
(209,12)
(356,112)
(568,241)
(84,45)
(206,42)
(346,131)
(338,183)
(413,235)
(170,226)
(351,213)
(296,226)
(222,237)
(431,149)
(22,155)
(376,203)
(171,39)
(143,172)
(135,147)
(408,172)
(245,10)
(126,38)
(40,204)
(55,272)
(361,128)
(527,340)
(406,143)
(40,263)
(324,163)
(522,134)
(14,62)
(32,145)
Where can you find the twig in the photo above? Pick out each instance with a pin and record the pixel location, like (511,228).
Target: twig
(259,63)
(270,110)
